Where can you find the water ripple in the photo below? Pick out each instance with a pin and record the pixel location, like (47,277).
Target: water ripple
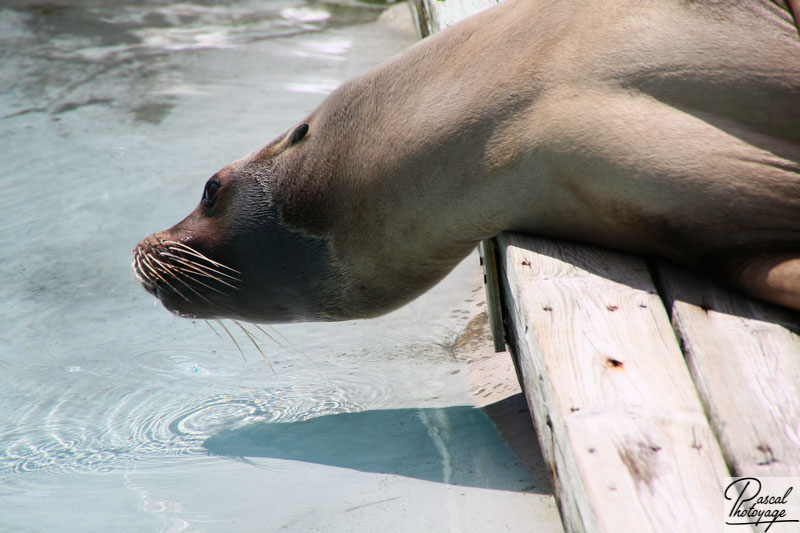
(108,429)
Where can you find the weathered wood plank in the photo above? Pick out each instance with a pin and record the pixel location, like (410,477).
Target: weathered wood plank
(745,359)
(619,418)
(488,253)
(431,16)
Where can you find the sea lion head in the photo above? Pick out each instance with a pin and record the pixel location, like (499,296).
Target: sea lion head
(235,257)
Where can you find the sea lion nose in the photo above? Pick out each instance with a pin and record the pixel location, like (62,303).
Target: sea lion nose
(141,265)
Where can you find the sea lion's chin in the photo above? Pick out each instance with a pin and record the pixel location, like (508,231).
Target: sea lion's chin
(175,304)
(235,309)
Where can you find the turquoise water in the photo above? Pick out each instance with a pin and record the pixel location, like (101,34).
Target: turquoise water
(117,416)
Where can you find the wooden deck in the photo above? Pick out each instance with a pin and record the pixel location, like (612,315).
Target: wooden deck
(647,384)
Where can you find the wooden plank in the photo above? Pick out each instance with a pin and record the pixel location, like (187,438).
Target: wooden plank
(744,356)
(618,416)
(491,282)
(431,16)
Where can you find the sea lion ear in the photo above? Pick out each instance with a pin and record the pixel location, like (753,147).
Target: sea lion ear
(299,132)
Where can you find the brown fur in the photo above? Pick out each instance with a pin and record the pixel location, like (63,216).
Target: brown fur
(658,126)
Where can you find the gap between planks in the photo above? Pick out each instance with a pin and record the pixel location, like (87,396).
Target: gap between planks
(618,415)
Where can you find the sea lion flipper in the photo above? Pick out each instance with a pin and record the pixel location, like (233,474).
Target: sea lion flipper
(776,279)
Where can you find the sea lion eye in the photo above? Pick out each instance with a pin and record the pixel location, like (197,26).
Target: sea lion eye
(210,192)
(299,132)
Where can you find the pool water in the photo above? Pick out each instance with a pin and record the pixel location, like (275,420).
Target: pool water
(116,415)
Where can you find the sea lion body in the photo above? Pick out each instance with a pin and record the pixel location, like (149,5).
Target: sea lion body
(660,127)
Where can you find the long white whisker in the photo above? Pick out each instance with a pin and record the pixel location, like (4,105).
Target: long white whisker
(192,251)
(249,336)
(195,280)
(165,268)
(174,252)
(212,329)
(201,269)
(155,271)
(176,277)
(189,271)
(281,335)
(135,266)
(233,339)
(268,335)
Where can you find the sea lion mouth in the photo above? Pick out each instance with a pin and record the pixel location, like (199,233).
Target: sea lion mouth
(180,276)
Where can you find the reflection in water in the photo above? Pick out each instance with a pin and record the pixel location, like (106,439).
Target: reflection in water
(63,53)
(93,434)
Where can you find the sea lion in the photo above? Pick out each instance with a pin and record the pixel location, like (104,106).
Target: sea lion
(665,127)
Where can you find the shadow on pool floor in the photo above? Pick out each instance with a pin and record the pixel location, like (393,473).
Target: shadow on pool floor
(455,445)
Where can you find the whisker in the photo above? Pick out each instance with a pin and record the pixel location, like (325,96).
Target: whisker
(152,269)
(166,268)
(206,300)
(268,335)
(194,279)
(176,251)
(172,269)
(250,336)
(281,335)
(186,269)
(136,266)
(175,276)
(212,329)
(192,251)
(201,269)
(155,271)
(147,260)
(293,345)
(233,339)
